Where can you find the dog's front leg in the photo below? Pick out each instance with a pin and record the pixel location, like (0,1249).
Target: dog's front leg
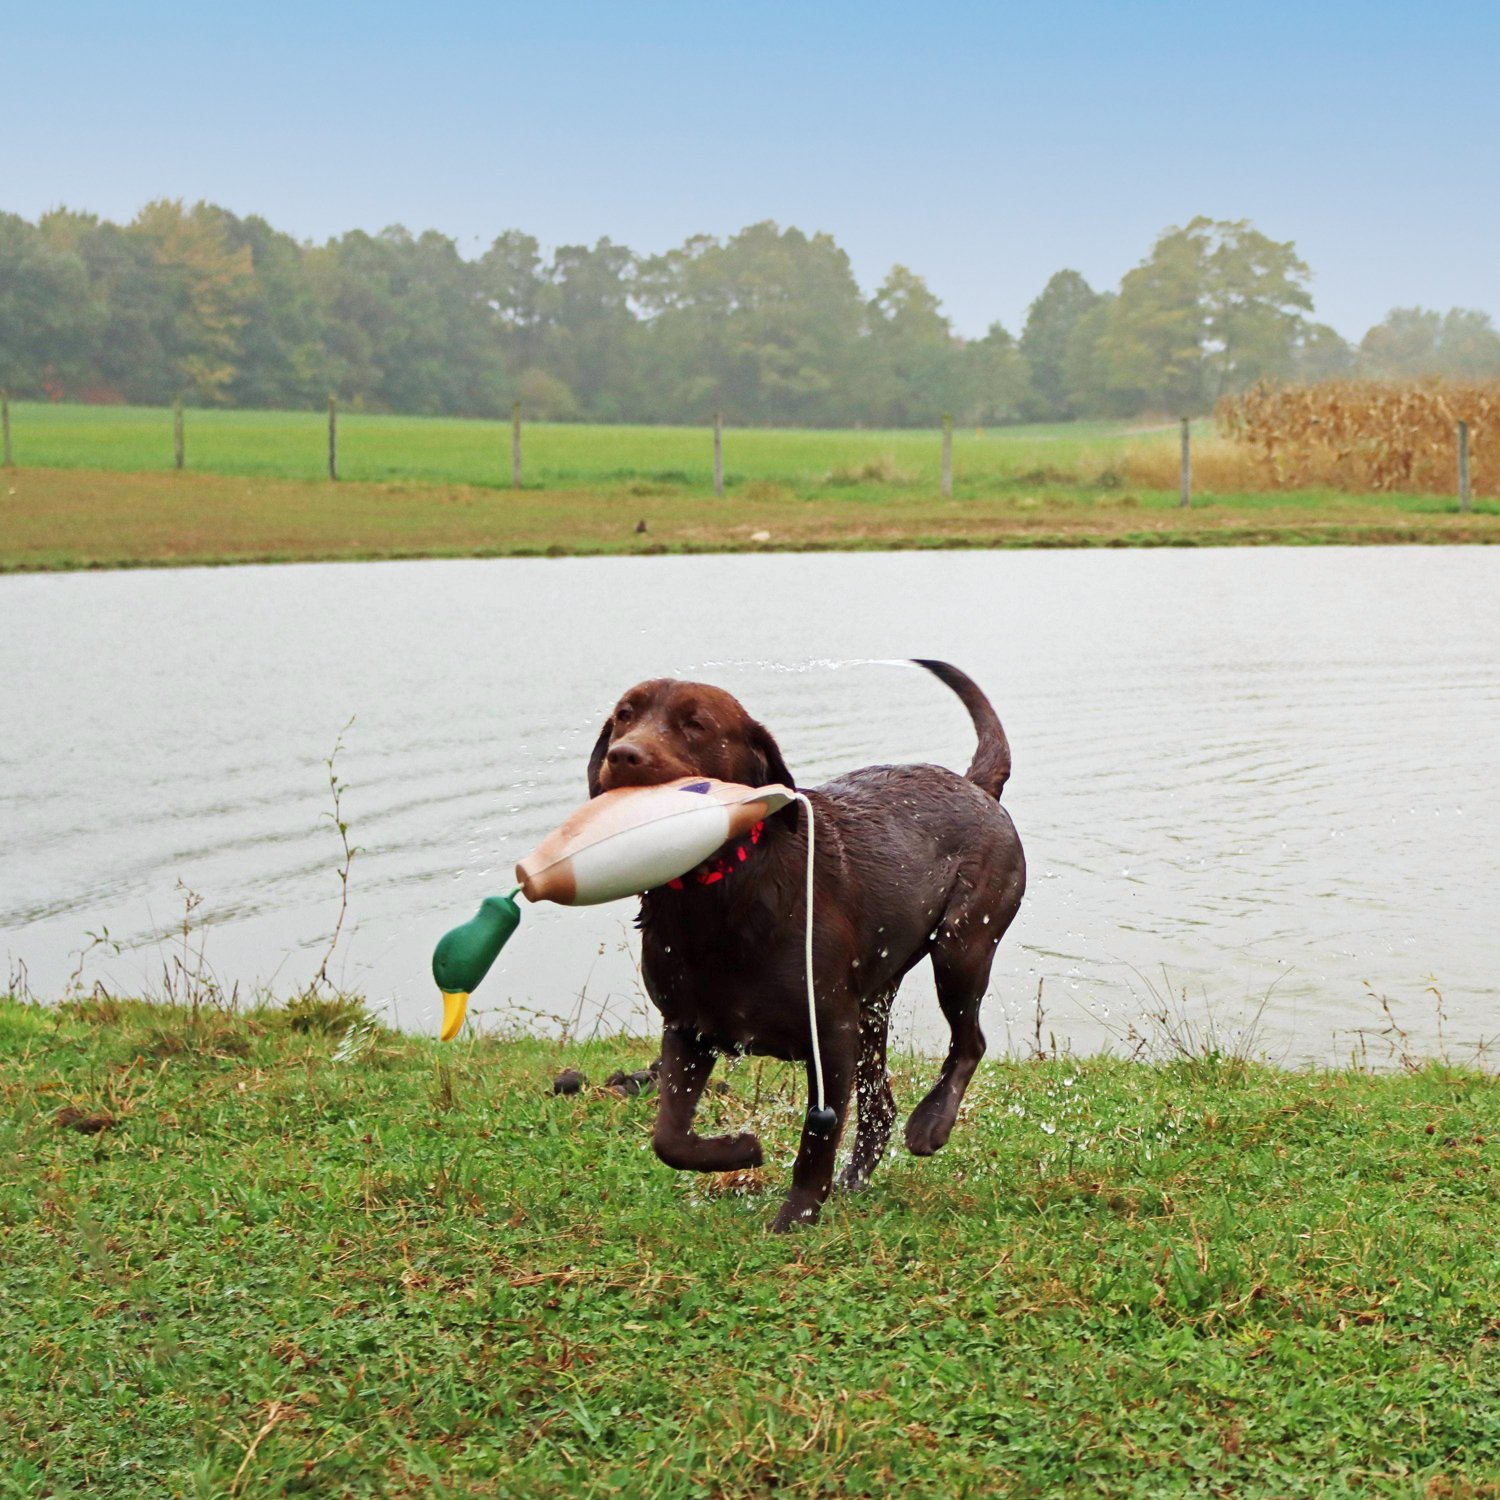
(686,1063)
(812,1172)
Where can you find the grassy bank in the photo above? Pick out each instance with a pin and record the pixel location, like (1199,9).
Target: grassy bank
(235,1264)
(60,518)
(95,490)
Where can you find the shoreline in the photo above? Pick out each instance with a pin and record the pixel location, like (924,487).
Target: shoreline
(73,520)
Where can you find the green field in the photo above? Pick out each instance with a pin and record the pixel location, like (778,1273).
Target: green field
(94,487)
(445,450)
(235,1264)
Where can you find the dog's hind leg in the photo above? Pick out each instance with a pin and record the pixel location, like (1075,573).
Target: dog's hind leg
(876,1104)
(812,1172)
(685,1065)
(962,970)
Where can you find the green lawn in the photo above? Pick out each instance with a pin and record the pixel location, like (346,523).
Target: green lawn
(416,1271)
(93,487)
(294,445)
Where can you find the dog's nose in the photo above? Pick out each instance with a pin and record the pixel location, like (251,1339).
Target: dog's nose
(625,757)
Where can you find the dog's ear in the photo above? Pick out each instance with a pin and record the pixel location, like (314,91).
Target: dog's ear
(597,754)
(766,752)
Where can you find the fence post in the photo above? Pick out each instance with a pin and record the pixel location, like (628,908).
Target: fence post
(719,454)
(515,445)
(178,453)
(5,458)
(947,470)
(1187,464)
(333,437)
(1463,466)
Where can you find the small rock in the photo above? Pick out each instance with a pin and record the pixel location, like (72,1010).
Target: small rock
(640,527)
(760,536)
(569,1081)
(628,1085)
(82,1121)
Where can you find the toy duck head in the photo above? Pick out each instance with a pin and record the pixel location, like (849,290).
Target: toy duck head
(463,957)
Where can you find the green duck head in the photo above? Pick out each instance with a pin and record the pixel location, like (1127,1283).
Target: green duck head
(463,957)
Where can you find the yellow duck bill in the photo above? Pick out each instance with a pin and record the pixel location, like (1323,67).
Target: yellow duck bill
(455,1007)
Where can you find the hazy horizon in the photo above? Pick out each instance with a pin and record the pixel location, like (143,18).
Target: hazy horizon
(985,147)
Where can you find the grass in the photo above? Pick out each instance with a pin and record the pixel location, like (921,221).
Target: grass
(558,456)
(94,491)
(53,518)
(235,1264)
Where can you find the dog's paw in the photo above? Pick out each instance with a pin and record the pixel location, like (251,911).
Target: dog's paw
(927,1131)
(852,1179)
(795,1215)
(746,1151)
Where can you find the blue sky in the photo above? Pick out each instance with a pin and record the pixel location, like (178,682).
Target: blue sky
(985,146)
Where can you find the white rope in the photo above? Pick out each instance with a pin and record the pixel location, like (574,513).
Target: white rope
(812,1002)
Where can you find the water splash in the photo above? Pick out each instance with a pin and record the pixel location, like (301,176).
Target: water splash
(810,664)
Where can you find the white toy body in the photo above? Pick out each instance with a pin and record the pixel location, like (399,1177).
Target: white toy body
(633,839)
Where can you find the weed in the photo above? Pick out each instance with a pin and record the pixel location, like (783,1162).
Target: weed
(311,1013)
(1167,1028)
(882,469)
(764,489)
(336,789)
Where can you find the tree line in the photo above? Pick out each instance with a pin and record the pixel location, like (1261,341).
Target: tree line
(769,325)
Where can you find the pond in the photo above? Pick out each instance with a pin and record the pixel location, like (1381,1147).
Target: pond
(1255,787)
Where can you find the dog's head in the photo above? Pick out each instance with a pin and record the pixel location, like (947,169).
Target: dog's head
(664,729)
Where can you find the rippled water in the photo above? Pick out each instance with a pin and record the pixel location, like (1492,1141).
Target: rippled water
(1263,777)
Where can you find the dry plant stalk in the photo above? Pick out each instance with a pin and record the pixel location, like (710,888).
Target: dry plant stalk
(1368,435)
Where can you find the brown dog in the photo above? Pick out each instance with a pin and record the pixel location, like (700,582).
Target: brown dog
(911,862)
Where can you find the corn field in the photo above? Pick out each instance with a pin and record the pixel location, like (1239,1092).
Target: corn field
(1368,435)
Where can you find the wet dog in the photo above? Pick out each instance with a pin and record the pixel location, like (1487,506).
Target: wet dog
(912,862)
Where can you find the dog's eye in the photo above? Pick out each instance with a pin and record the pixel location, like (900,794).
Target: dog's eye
(623,714)
(694,725)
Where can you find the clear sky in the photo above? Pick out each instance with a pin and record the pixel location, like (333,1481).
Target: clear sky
(985,146)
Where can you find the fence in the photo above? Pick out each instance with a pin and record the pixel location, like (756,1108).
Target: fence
(1237,423)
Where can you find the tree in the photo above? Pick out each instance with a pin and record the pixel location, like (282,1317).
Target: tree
(1050,324)
(47,321)
(513,282)
(1411,342)
(281,359)
(995,379)
(1214,308)
(1255,295)
(766,326)
(591,328)
(1321,354)
(1084,373)
(912,353)
(203,285)
(131,306)
(406,325)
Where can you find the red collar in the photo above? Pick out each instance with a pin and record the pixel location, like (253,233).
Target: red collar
(711,872)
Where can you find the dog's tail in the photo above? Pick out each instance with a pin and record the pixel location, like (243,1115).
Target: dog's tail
(990,768)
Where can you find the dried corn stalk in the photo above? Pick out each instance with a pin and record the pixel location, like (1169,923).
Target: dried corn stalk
(1368,435)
